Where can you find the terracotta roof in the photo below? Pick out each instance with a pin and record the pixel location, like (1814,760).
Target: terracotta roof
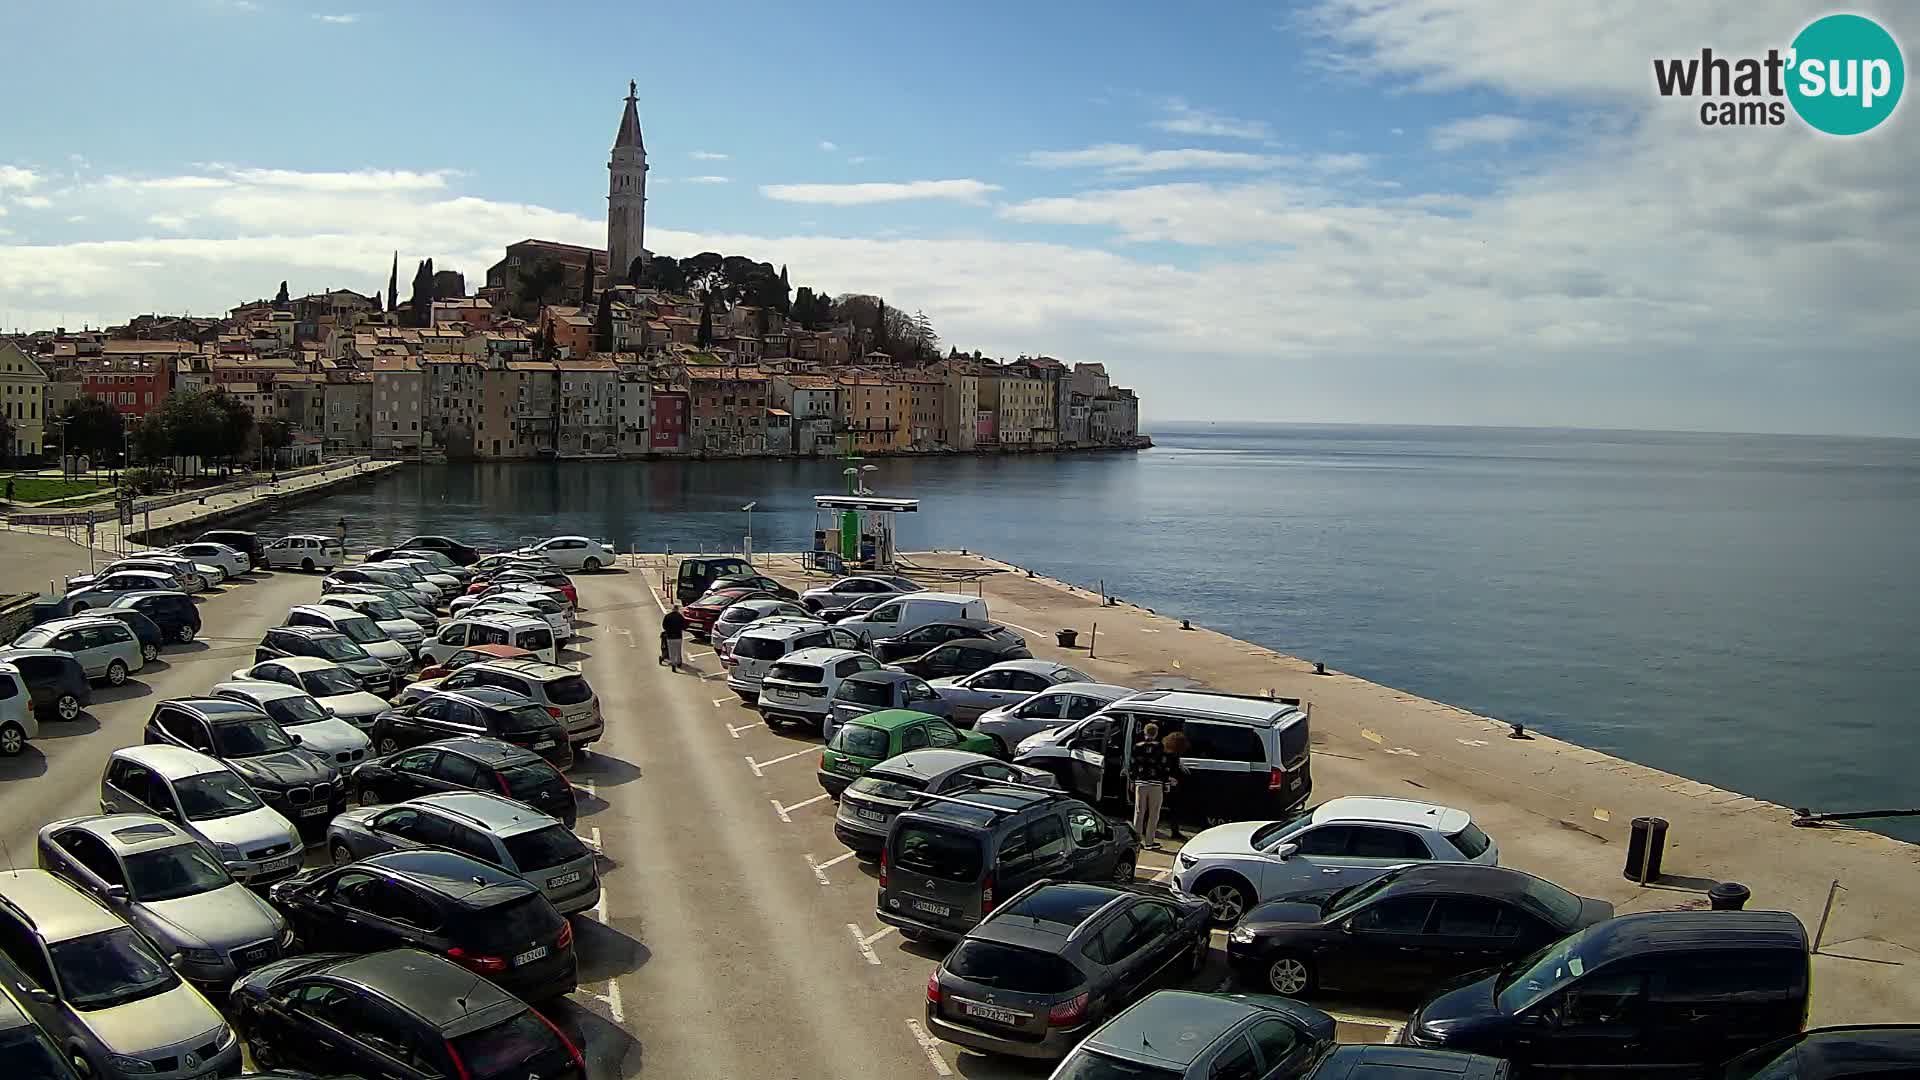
(811,382)
(586,363)
(530,365)
(392,364)
(125,347)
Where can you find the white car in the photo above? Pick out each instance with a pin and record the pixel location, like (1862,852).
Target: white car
(744,613)
(234,561)
(18,725)
(391,619)
(185,566)
(799,686)
(1341,842)
(255,843)
(306,552)
(573,552)
(300,713)
(333,686)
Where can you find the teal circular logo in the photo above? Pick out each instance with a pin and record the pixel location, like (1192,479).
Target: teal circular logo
(1846,74)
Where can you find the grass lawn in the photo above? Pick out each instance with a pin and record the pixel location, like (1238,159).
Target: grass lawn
(42,488)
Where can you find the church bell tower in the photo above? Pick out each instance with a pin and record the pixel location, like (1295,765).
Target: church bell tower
(626,193)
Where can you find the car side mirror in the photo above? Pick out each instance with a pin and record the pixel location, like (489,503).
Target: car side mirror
(295,738)
(1286,851)
(44,997)
(117,893)
(330,710)
(175,959)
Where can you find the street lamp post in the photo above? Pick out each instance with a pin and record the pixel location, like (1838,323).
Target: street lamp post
(749,512)
(864,469)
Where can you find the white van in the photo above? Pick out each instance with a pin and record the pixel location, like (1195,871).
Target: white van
(529,632)
(914,610)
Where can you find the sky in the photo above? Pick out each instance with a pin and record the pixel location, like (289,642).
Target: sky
(1372,211)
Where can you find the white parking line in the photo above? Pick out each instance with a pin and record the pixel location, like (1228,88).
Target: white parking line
(860,943)
(611,999)
(592,788)
(870,939)
(820,869)
(783,811)
(932,1048)
(756,766)
(698,655)
(735,731)
(719,701)
(592,841)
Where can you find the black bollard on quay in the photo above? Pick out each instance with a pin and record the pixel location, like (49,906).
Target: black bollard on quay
(1646,843)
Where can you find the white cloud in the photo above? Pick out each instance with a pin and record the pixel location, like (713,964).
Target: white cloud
(707,155)
(829,147)
(170,222)
(16,178)
(709,179)
(166,183)
(1488,128)
(359,180)
(3,211)
(860,194)
(34,202)
(1128,158)
(76,219)
(337,20)
(1185,119)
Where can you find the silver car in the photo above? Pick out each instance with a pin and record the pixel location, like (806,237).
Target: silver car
(508,834)
(299,713)
(234,561)
(171,889)
(1061,703)
(101,989)
(208,800)
(738,616)
(186,567)
(182,570)
(563,692)
(555,613)
(101,590)
(106,648)
(1008,682)
(392,620)
(334,687)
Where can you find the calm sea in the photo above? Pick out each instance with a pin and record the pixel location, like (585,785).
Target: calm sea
(1738,608)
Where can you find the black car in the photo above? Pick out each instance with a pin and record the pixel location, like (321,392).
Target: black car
(489,921)
(55,681)
(239,540)
(485,711)
(399,1013)
(464,554)
(1409,930)
(375,677)
(1363,1062)
(1878,1052)
(1176,1034)
(760,583)
(175,613)
(950,859)
(148,632)
(920,639)
(466,764)
(1666,990)
(695,574)
(1040,971)
(855,605)
(962,656)
(303,786)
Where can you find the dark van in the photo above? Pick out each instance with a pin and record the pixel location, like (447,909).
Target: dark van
(239,540)
(173,612)
(1658,991)
(949,857)
(696,573)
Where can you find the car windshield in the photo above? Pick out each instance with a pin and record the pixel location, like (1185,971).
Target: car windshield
(360,631)
(327,682)
(214,795)
(24,1052)
(1267,834)
(515,924)
(1552,901)
(171,873)
(863,692)
(294,710)
(249,738)
(937,853)
(378,609)
(546,847)
(526,781)
(518,719)
(506,1049)
(337,648)
(110,968)
(896,788)
(569,690)
(861,741)
(1344,900)
(1026,971)
(1528,980)
(751,647)
(1092,1065)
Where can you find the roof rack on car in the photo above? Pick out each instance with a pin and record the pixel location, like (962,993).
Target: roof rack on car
(989,807)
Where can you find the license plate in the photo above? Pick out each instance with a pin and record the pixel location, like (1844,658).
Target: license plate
(274,865)
(530,955)
(851,768)
(257,955)
(545,744)
(313,811)
(563,879)
(931,908)
(988,1012)
(869,815)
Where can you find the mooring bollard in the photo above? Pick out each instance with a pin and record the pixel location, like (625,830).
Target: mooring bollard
(1319,667)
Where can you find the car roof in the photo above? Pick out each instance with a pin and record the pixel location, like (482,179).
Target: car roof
(1492,882)
(57,910)
(491,751)
(172,762)
(259,689)
(1839,1050)
(1038,667)
(787,630)
(215,709)
(323,611)
(1047,915)
(311,631)
(1006,801)
(149,573)
(503,816)
(1173,1026)
(11,653)
(437,990)
(460,878)
(1649,931)
(142,594)
(1364,1062)
(301,664)
(928,763)
(311,536)
(949,597)
(1259,710)
(68,622)
(984,645)
(1108,691)
(1443,819)
(883,676)
(531,666)
(506,620)
(889,719)
(491,696)
(129,834)
(504,652)
(821,654)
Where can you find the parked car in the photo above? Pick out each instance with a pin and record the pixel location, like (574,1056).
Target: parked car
(233,561)
(1057,705)
(528,576)
(392,620)
(404,600)
(961,657)
(947,862)
(56,683)
(357,628)
(1408,931)
(575,552)
(103,590)
(1182,1035)
(300,713)
(520,631)
(360,579)
(145,630)
(487,920)
(910,611)
(18,725)
(448,582)
(1833,1053)
(869,804)
(427,561)
(183,571)
(872,691)
(101,989)
(335,1013)
(489,565)
(563,692)
(1346,841)
(255,842)
(759,583)
(755,650)
(1034,976)
(320,643)
(1657,991)
(302,785)
(858,605)
(434,589)
(466,763)
(497,830)
(464,554)
(738,617)
(307,552)
(175,613)
(1007,682)
(171,888)
(798,688)
(693,575)
(106,648)
(701,614)
(846,589)
(551,599)
(922,639)
(479,711)
(196,576)
(549,609)
(24,1044)
(1250,757)
(470,654)
(338,690)
(239,540)
(1362,1061)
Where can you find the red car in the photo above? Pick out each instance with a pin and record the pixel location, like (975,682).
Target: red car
(704,612)
(470,655)
(533,577)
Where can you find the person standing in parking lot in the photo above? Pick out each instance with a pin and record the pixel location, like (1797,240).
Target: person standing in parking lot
(1149,785)
(673,626)
(1181,798)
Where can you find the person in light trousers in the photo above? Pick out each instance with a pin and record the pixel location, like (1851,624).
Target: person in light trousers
(1149,785)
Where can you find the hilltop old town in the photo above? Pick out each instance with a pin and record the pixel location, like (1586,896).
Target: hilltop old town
(564,351)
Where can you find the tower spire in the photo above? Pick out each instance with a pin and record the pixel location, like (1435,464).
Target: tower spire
(626,192)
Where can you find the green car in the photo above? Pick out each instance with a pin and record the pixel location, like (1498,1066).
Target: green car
(866,741)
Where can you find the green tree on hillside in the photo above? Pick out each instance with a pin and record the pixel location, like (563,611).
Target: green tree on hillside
(92,427)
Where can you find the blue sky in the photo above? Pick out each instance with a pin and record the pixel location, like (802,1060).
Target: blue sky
(1365,210)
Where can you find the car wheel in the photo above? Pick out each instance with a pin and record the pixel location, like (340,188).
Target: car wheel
(1123,870)
(13,739)
(592,565)
(307,565)
(369,797)
(341,856)
(67,708)
(389,745)
(1289,976)
(185,633)
(1228,895)
(1006,752)
(150,652)
(117,673)
(77,608)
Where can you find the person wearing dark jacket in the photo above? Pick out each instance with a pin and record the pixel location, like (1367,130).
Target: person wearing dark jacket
(1182,798)
(673,626)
